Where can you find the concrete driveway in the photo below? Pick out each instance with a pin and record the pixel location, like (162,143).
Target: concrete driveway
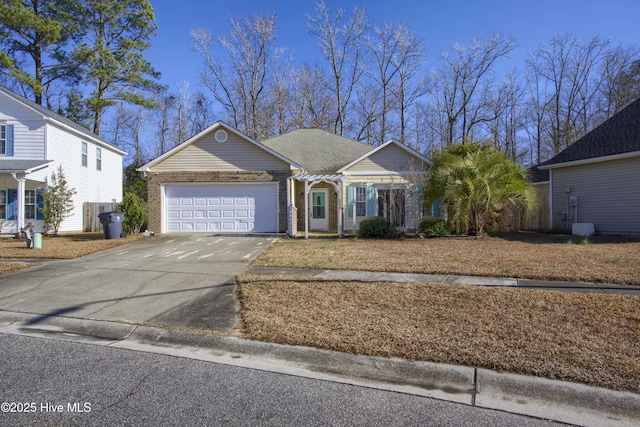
(177,281)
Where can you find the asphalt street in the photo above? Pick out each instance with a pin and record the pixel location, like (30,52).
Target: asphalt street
(53,382)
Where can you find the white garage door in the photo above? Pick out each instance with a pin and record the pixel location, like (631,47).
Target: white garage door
(225,208)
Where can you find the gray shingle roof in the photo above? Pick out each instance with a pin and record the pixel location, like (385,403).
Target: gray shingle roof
(15,165)
(316,150)
(50,114)
(538,175)
(618,135)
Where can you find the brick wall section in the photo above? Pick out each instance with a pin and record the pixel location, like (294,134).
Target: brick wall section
(332,204)
(155,182)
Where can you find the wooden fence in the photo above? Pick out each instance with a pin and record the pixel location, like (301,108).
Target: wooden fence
(513,219)
(91,210)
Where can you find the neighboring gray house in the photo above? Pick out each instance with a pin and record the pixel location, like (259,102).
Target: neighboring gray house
(34,142)
(596,180)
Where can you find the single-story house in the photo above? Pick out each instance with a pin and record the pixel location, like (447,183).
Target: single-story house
(596,180)
(224,181)
(34,142)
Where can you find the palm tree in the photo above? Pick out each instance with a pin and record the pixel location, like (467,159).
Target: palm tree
(476,182)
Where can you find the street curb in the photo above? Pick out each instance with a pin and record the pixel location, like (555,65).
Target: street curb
(532,396)
(538,397)
(445,382)
(63,327)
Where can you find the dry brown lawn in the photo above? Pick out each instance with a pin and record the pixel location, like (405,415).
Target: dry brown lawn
(548,257)
(10,267)
(587,338)
(63,246)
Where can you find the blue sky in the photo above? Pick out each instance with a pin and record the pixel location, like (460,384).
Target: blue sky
(438,23)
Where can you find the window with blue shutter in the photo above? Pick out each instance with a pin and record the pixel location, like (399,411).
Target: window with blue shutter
(39,205)
(371,201)
(12,204)
(6,140)
(351,196)
(436,208)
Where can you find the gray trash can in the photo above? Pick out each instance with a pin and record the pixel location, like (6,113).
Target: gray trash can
(112,224)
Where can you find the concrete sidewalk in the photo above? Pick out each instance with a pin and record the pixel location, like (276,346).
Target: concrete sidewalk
(537,397)
(369,276)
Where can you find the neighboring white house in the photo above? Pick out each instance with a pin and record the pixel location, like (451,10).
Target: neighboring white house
(596,180)
(34,142)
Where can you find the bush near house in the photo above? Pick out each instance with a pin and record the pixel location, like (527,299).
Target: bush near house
(434,227)
(378,227)
(135,213)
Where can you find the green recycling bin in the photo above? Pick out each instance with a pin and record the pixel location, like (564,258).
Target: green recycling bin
(37,241)
(112,224)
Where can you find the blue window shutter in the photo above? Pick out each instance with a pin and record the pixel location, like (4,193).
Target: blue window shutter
(39,205)
(12,204)
(371,200)
(436,208)
(417,205)
(351,196)
(9,140)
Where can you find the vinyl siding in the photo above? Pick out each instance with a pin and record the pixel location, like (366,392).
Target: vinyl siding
(90,184)
(206,154)
(29,129)
(609,195)
(382,182)
(390,158)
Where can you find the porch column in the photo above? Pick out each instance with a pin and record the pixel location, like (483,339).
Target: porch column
(306,209)
(20,196)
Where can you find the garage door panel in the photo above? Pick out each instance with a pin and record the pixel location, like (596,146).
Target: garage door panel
(222,208)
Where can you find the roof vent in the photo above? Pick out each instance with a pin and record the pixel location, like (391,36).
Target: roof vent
(221,135)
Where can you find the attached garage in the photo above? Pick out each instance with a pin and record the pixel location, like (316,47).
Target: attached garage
(221,207)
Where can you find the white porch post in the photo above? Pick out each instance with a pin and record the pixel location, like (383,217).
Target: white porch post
(20,196)
(306,209)
(289,209)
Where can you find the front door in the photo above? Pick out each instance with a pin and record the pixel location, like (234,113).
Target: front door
(319,217)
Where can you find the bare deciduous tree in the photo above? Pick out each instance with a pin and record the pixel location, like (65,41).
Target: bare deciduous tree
(463,76)
(240,86)
(565,74)
(341,41)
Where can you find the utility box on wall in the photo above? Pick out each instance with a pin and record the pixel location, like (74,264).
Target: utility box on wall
(574,201)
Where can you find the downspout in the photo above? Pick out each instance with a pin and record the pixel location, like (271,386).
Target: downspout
(550,199)
(306,209)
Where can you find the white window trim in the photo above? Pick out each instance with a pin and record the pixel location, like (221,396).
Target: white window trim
(85,154)
(98,158)
(3,130)
(356,201)
(34,204)
(3,202)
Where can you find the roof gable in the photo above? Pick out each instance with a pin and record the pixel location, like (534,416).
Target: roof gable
(58,119)
(204,152)
(317,151)
(391,156)
(616,136)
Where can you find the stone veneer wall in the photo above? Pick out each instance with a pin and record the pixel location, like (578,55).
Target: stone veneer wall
(156,180)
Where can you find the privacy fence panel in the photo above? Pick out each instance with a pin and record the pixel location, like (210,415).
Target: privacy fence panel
(91,210)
